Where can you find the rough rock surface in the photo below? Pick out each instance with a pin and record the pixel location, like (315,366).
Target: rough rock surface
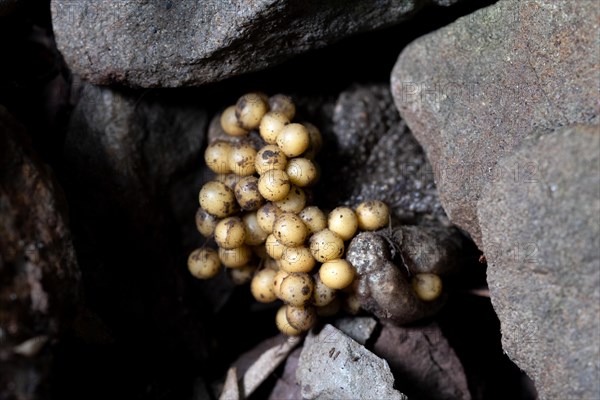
(183,43)
(286,387)
(470,92)
(423,362)
(541,238)
(333,366)
(39,276)
(245,360)
(377,156)
(359,329)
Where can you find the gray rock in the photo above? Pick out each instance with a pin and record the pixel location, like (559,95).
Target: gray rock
(423,362)
(428,249)
(398,173)
(39,275)
(378,157)
(245,360)
(254,367)
(472,91)
(359,329)
(541,237)
(362,115)
(286,387)
(183,43)
(333,366)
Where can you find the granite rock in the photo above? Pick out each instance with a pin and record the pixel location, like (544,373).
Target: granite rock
(541,238)
(473,90)
(286,387)
(173,44)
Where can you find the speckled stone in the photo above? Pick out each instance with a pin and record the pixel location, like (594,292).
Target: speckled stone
(358,328)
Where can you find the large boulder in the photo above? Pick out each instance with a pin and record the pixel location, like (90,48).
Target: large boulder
(39,276)
(183,43)
(541,237)
(472,91)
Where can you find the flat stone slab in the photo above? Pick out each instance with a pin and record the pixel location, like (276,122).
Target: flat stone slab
(333,366)
(185,43)
(541,240)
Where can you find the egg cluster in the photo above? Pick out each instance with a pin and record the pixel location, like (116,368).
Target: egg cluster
(256,210)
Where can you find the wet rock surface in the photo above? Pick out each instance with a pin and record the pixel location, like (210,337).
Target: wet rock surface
(541,238)
(39,275)
(472,91)
(173,44)
(334,366)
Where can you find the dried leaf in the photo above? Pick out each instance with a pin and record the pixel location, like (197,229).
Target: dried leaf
(358,328)
(266,364)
